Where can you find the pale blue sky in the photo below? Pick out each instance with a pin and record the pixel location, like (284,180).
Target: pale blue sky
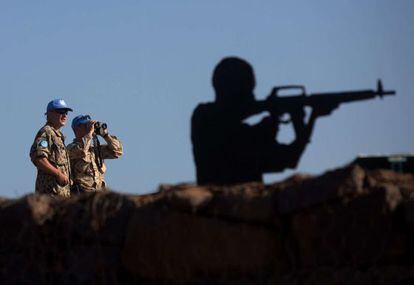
(142,66)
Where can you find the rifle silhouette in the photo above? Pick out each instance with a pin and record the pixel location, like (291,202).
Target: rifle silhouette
(288,104)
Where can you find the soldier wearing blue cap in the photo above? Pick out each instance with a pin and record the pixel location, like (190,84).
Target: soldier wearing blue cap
(48,152)
(87,155)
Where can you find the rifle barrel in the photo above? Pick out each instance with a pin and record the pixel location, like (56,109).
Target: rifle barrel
(286,103)
(349,96)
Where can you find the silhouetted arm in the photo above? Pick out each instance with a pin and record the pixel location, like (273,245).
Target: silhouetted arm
(279,157)
(303,133)
(275,157)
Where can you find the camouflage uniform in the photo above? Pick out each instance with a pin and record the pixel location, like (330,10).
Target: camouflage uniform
(85,171)
(50,143)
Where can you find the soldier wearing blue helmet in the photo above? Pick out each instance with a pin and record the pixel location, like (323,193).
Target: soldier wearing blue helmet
(48,152)
(87,155)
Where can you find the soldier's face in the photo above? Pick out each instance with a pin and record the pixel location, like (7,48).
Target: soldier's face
(58,118)
(81,131)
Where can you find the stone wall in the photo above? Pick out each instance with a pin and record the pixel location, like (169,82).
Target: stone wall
(348,226)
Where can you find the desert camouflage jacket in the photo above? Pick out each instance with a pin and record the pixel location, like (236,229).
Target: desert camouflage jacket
(85,171)
(50,143)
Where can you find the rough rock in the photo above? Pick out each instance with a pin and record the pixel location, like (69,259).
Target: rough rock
(347,226)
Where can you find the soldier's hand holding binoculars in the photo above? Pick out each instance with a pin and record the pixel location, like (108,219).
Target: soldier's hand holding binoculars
(90,127)
(101,129)
(97,128)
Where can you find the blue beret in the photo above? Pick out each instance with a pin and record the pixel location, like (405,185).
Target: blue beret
(79,120)
(57,104)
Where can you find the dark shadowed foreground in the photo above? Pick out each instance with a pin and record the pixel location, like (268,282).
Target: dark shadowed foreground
(348,226)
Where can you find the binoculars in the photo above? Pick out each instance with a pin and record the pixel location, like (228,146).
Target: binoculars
(98,126)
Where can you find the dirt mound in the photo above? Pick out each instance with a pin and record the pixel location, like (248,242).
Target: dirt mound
(348,226)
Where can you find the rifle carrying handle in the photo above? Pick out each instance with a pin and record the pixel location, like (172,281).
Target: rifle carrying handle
(275,90)
(275,93)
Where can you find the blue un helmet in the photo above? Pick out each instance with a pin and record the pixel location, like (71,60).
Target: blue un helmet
(79,120)
(58,104)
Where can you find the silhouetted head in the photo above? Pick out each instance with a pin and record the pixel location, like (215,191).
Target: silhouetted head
(233,80)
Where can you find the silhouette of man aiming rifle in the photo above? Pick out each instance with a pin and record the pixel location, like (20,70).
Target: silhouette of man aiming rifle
(226,149)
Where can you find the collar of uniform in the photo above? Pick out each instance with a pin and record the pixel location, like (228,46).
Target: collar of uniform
(87,137)
(57,132)
(81,141)
(78,140)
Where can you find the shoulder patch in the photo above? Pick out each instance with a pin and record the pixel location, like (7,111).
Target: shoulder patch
(43,144)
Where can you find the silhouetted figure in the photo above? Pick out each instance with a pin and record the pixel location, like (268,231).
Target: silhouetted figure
(226,149)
